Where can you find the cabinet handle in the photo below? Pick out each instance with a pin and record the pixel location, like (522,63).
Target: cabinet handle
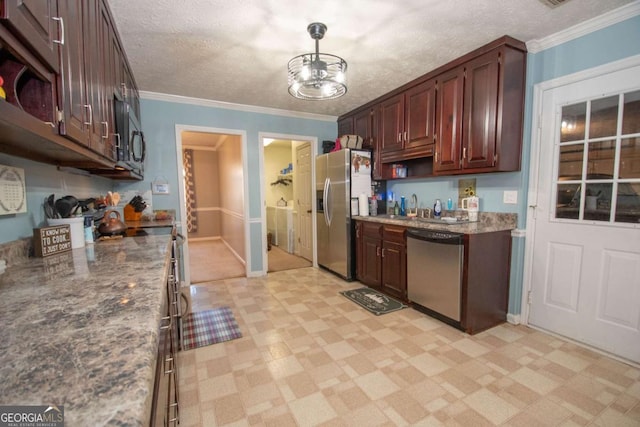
(464,153)
(400,137)
(436,156)
(382,252)
(405,136)
(61,22)
(90,122)
(124,90)
(377,251)
(117,135)
(106,129)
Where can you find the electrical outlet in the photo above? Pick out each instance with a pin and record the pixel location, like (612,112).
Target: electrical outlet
(510,197)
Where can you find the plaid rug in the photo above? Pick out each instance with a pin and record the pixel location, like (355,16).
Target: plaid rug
(209,327)
(374,301)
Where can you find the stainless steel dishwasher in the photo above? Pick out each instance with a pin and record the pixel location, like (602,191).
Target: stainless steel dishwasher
(434,270)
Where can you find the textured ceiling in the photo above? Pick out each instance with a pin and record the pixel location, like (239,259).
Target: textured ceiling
(237,51)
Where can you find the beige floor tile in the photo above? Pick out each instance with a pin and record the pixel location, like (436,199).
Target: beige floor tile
(309,356)
(376,385)
(311,410)
(490,406)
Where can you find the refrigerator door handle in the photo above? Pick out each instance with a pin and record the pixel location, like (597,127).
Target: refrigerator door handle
(325,198)
(329,210)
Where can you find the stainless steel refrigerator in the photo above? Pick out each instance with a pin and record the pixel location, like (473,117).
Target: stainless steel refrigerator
(340,177)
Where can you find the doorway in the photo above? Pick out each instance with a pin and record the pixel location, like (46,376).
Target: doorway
(212,203)
(288,202)
(582,261)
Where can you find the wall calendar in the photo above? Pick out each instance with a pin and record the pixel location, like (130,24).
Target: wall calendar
(13,197)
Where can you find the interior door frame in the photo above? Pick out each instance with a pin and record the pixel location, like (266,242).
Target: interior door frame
(539,90)
(314,152)
(182,198)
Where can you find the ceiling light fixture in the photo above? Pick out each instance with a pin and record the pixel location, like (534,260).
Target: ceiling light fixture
(317,76)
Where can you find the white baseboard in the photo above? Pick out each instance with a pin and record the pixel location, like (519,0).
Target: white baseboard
(235,254)
(203,239)
(514,319)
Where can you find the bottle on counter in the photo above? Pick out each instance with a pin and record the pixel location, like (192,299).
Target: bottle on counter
(396,209)
(403,210)
(449,204)
(437,209)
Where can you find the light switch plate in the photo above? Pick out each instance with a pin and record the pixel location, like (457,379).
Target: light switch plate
(510,197)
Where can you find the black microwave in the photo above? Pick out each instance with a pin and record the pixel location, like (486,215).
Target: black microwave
(130,143)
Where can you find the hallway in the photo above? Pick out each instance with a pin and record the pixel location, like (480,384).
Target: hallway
(211,260)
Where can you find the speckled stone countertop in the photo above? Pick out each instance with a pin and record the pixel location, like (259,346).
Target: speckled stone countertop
(488,222)
(80,329)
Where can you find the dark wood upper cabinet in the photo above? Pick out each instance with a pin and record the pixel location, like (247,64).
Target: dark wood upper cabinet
(449,120)
(36,23)
(63,64)
(391,124)
(464,117)
(345,126)
(72,79)
(420,113)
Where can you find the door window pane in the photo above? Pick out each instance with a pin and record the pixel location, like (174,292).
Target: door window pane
(570,166)
(568,201)
(573,117)
(628,202)
(630,158)
(597,204)
(588,175)
(631,113)
(601,159)
(604,117)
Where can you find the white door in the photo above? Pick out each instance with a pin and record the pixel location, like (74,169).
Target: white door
(584,271)
(304,200)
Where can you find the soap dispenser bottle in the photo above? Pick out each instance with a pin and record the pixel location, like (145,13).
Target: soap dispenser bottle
(403,210)
(437,209)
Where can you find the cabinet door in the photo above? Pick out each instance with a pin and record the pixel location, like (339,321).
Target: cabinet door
(480,111)
(345,126)
(394,269)
(420,112)
(363,123)
(449,120)
(371,265)
(93,68)
(106,83)
(391,124)
(371,251)
(71,82)
(33,21)
(359,251)
(394,261)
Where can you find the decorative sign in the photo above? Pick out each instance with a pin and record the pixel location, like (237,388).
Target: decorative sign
(159,188)
(12,191)
(51,240)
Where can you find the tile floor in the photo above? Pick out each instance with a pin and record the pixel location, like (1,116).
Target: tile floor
(309,356)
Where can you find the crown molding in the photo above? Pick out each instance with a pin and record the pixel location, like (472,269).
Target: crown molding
(613,17)
(155,96)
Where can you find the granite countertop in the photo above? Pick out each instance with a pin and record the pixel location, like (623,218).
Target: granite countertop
(80,329)
(488,222)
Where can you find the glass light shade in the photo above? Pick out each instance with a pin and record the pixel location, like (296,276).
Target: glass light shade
(317,76)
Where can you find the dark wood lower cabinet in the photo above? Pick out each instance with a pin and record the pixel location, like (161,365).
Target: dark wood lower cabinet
(381,257)
(394,261)
(485,280)
(165,410)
